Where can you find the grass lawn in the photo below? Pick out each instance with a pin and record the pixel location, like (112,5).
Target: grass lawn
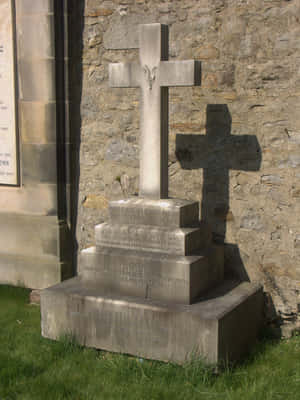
(32,367)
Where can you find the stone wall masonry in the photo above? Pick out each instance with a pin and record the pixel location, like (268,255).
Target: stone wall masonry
(35,232)
(234,141)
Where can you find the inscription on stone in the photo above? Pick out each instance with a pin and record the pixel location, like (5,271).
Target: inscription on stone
(136,274)
(8,145)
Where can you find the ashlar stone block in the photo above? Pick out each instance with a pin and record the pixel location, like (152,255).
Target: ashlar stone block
(153,275)
(172,213)
(29,7)
(221,327)
(181,241)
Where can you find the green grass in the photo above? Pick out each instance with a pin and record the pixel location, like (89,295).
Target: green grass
(32,367)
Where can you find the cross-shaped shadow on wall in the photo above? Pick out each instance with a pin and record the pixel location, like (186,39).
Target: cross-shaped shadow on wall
(216,153)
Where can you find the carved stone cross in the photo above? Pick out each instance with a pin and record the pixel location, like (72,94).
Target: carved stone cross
(154,74)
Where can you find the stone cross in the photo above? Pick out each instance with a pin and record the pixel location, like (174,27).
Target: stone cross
(154,74)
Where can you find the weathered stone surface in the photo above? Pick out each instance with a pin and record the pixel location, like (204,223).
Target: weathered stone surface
(181,241)
(27,234)
(154,249)
(34,271)
(30,7)
(32,45)
(254,70)
(33,199)
(159,276)
(153,329)
(95,201)
(33,85)
(99,12)
(35,297)
(37,122)
(172,213)
(122,32)
(35,237)
(36,160)
(154,74)
(120,150)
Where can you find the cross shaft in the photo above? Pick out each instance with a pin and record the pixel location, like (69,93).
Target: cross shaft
(154,74)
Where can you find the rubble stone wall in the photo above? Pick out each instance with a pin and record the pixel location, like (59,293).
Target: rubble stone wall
(234,142)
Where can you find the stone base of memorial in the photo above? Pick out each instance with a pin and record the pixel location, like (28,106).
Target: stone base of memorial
(154,287)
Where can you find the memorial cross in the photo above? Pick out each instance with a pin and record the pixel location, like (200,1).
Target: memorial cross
(154,74)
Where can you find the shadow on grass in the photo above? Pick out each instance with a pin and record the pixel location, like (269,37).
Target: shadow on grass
(267,340)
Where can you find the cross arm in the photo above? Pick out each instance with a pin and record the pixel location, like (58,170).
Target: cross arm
(124,75)
(180,73)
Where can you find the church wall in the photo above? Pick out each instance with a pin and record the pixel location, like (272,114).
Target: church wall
(34,232)
(233,143)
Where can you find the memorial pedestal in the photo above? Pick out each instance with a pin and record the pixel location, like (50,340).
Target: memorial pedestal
(153,287)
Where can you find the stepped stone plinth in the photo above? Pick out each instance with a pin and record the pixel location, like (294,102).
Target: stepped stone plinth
(168,263)
(141,294)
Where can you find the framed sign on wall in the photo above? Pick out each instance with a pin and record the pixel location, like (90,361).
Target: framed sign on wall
(9,159)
